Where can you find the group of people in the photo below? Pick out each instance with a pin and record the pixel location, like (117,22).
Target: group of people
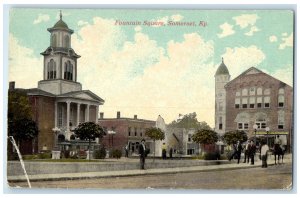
(164,152)
(250,150)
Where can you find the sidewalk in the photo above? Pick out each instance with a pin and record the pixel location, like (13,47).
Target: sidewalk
(123,173)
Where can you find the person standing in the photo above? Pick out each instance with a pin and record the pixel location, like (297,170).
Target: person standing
(171,153)
(164,151)
(264,154)
(126,150)
(246,157)
(252,151)
(239,149)
(142,154)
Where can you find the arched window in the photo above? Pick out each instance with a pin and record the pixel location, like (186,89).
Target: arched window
(53,40)
(267,92)
(281,91)
(281,121)
(245,92)
(51,69)
(259,91)
(67,41)
(68,72)
(281,101)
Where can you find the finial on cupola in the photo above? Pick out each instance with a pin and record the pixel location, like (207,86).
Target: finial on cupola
(60,15)
(222,60)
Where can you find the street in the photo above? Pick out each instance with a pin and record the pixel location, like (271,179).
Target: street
(273,177)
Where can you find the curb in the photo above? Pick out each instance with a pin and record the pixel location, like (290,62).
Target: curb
(108,174)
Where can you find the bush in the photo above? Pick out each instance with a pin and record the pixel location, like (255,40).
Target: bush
(100,153)
(30,157)
(116,154)
(44,156)
(67,154)
(12,156)
(212,156)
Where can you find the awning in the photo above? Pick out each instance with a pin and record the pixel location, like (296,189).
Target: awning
(272,133)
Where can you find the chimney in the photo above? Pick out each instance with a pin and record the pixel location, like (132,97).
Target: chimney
(101,115)
(12,85)
(118,114)
(135,117)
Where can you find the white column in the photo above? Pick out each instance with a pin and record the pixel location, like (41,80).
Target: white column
(97,113)
(78,113)
(68,120)
(55,114)
(87,112)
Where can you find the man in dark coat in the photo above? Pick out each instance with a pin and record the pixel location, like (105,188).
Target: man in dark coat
(252,151)
(142,153)
(239,149)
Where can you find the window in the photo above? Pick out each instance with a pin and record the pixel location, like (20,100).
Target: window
(53,40)
(259,91)
(68,71)
(259,102)
(67,41)
(237,93)
(267,101)
(237,103)
(51,69)
(220,106)
(60,113)
(281,120)
(242,126)
(244,103)
(245,92)
(267,92)
(129,131)
(189,137)
(220,123)
(252,102)
(135,131)
(252,91)
(261,123)
(280,101)
(281,91)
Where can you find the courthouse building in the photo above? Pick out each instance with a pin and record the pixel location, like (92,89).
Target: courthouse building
(254,102)
(59,104)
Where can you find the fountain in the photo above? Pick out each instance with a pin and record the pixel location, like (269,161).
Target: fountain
(11,138)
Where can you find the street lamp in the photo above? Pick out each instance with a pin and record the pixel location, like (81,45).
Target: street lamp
(255,130)
(55,130)
(267,130)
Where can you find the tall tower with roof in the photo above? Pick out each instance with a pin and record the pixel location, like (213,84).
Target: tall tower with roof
(60,62)
(222,77)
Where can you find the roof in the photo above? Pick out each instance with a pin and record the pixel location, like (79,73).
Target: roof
(35,91)
(222,69)
(83,94)
(125,119)
(254,71)
(60,25)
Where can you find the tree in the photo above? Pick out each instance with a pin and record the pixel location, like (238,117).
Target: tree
(89,131)
(155,134)
(20,123)
(205,136)
(231,137)
(189,121)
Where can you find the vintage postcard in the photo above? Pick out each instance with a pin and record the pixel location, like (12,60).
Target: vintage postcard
(150,99)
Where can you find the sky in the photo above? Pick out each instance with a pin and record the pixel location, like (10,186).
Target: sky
(155,70)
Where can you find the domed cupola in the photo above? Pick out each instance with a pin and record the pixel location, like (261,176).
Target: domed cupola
(222,69)
(60,25)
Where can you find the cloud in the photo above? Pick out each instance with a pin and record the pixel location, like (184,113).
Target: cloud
(245,20)
(273,39)
(23,65)
(177,17)
(284,34)
(226,30)
(242,58)
(138,28)
(140,77)
(252,30)
(284,74)
(41,18)
(82,23)
(287,42)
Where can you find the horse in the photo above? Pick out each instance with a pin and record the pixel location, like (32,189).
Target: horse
(279,152)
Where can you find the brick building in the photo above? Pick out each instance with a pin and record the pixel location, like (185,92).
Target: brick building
(254,102)
(122,131)
(59,104)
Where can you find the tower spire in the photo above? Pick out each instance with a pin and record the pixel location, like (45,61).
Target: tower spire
(222,60)
(60,15)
